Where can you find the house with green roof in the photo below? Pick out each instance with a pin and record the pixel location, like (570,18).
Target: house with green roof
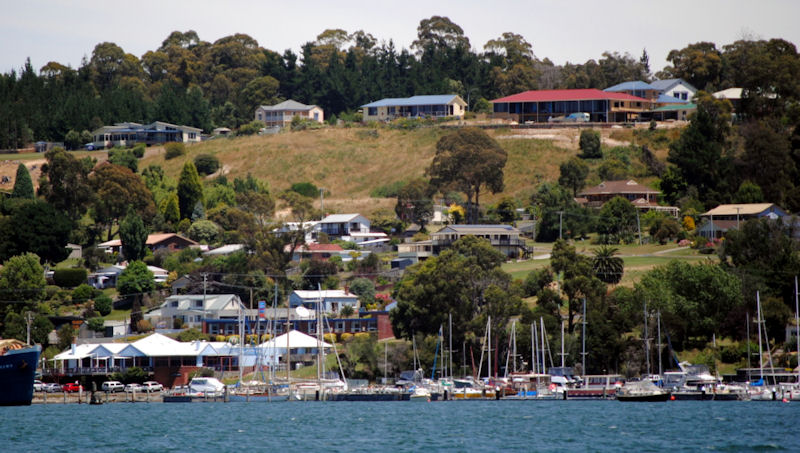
(428,106)
(281,115)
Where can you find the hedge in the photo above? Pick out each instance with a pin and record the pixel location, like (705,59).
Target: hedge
(69,278)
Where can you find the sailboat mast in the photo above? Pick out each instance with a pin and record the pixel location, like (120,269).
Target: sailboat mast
(544,364)
(562,344)
(760,352)
(658,317)
(797,324)
(489,344)
(646,340)
(514,333)
(450,341)
(583,352)
(288,351)
(749,354)
(534,354)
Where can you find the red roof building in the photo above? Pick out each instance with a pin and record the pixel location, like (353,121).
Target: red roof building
(543,105)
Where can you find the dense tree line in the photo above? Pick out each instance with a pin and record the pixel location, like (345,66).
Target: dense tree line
(190,81)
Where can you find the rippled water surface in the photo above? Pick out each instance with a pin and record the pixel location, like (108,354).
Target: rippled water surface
(405,426)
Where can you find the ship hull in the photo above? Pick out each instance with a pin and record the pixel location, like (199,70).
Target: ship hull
(17,371)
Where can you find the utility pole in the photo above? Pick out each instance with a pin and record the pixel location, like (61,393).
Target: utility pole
(639,226)
(29,321)
(737,216)
(322,202)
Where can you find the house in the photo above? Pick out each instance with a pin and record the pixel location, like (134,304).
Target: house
(107,276)
(281,115)
(504,238)
(312,251)
(224,250)
(409,253)
(636,88)
(156,133)
(674,111)
(538,106)
(156,241)
(716,222)
(192,309)
(428,106)
(642,197)
(342,226)
(734,95)
(331,300)
(676,88)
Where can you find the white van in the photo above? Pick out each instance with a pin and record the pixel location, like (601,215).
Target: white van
(112,386)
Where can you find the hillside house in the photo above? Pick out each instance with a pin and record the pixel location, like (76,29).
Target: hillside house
(676,88)
(331,300)
(429,106)
(642,197)
(539,106)
(504,238)
(342,226)
(716,222)
(156,241)
(281,115)
(193,309)
(107,276)
(156,133)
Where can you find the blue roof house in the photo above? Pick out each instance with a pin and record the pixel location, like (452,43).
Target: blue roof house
(677,88)
(429,106)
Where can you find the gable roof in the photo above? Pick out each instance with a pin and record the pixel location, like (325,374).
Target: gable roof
(615,187)
(341,218)
(316,295)
(152,239)
(434,99)
(666,84)
(742,208)
(729,93)
(288,104)
(583,94)
(296,339)
(478,229)
(212,302)
(630,86)
(667,99)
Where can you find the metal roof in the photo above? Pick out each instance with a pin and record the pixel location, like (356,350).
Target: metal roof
(341,218)
(289,104)
(617,187)
(583,94)
(742,209)
(674,107)
(435,99)
(667,99)
(666,84)
(478,229)
(630,86)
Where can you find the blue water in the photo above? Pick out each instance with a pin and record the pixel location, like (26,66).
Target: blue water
(404,426)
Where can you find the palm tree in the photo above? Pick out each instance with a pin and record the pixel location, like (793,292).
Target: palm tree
(607,267)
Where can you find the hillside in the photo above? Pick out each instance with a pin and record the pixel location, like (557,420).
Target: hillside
(352,162)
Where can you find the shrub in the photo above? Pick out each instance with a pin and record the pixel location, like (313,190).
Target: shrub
(206,164)
(174,149)
(590,144)
(138,150)
(204,231)
(250,128)
(69,278)
(144,325)
(191,334)
(346,336)
(124,158)
(329,338)
(82,293)
(96,324)
(389,190)
(305,188)
(103,304)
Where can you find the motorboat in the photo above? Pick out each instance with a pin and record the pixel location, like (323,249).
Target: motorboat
(642,391)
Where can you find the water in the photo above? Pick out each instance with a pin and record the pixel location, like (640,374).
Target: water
(404,426)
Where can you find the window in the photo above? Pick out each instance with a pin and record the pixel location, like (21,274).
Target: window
(174,303)
(339,326)
(198,304)
(372,111)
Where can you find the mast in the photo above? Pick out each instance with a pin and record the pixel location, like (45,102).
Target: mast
(514,336)
(562,344)
(489,344)
(749,354)
(544,364)
(646,340)
(414,346)
(534,353)
(385,359)
(320,327)
(658,317)
(797,324)
(760,352)
(450,341)
(583,336)
(288,351)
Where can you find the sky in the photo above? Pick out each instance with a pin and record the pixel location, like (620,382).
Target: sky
(573,31)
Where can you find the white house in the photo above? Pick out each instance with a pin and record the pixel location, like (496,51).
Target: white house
(107,276)
(342,226)
(128,134)
(281,115)
(192,309)
(677,88)
(299,344)
(332,300)
(435,106)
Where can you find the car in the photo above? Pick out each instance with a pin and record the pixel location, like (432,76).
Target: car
(580,117)
(112,386)
(51,387)
(72,387)
(134,387)
(152,386)
(38,386)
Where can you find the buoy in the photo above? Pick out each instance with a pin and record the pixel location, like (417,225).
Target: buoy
(672,397)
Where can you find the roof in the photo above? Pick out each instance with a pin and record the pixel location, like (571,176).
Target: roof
(478,229)
(212,302)
(288,105)
(296,339)
(340,218)
(615,187)
(666,84)
(583,94)
(315,295)
(630,86)
(152,239)
(730,93)
(673,107)
(740,209)
(434,99)
(224,250)
(667,99)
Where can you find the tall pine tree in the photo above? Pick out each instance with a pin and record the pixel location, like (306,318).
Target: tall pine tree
(190,190)
(23,186)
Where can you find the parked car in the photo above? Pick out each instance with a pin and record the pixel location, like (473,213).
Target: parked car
(51,387)
(134,388)
(72,387)
(581,117)
(152,386)
(112,386)
(38,386)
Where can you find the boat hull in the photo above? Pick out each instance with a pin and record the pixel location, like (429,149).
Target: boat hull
(368,397)
(17,371)
(656,398)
